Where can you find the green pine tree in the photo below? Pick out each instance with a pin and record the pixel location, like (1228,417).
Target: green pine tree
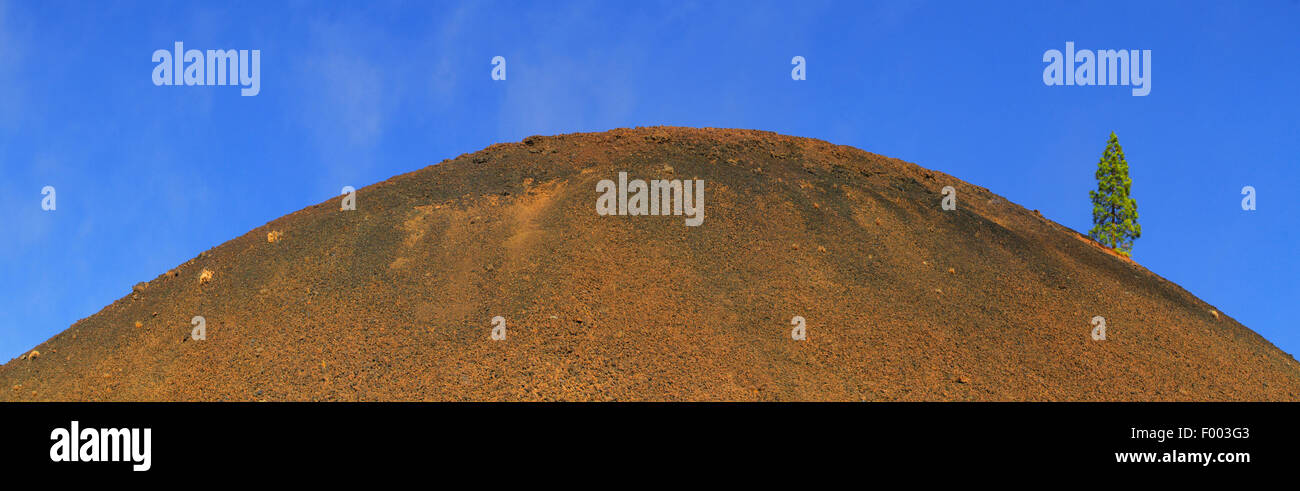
(1114,213)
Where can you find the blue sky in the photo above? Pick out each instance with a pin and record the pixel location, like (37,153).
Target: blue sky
(353,93)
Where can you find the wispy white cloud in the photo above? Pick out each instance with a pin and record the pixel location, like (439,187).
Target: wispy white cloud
(560,83)
(446,76)
(12,55)
(351,82)
(349,93)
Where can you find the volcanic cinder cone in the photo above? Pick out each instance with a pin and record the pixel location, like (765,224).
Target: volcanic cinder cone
(902,300)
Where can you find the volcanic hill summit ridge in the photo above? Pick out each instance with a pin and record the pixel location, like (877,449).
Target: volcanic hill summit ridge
(901,299)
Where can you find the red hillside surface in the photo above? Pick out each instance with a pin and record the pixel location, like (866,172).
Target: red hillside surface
(903,301)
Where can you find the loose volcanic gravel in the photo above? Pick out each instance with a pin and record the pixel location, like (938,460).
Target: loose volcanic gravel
(902,300)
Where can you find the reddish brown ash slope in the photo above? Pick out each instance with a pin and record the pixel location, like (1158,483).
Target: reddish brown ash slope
(393,301)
